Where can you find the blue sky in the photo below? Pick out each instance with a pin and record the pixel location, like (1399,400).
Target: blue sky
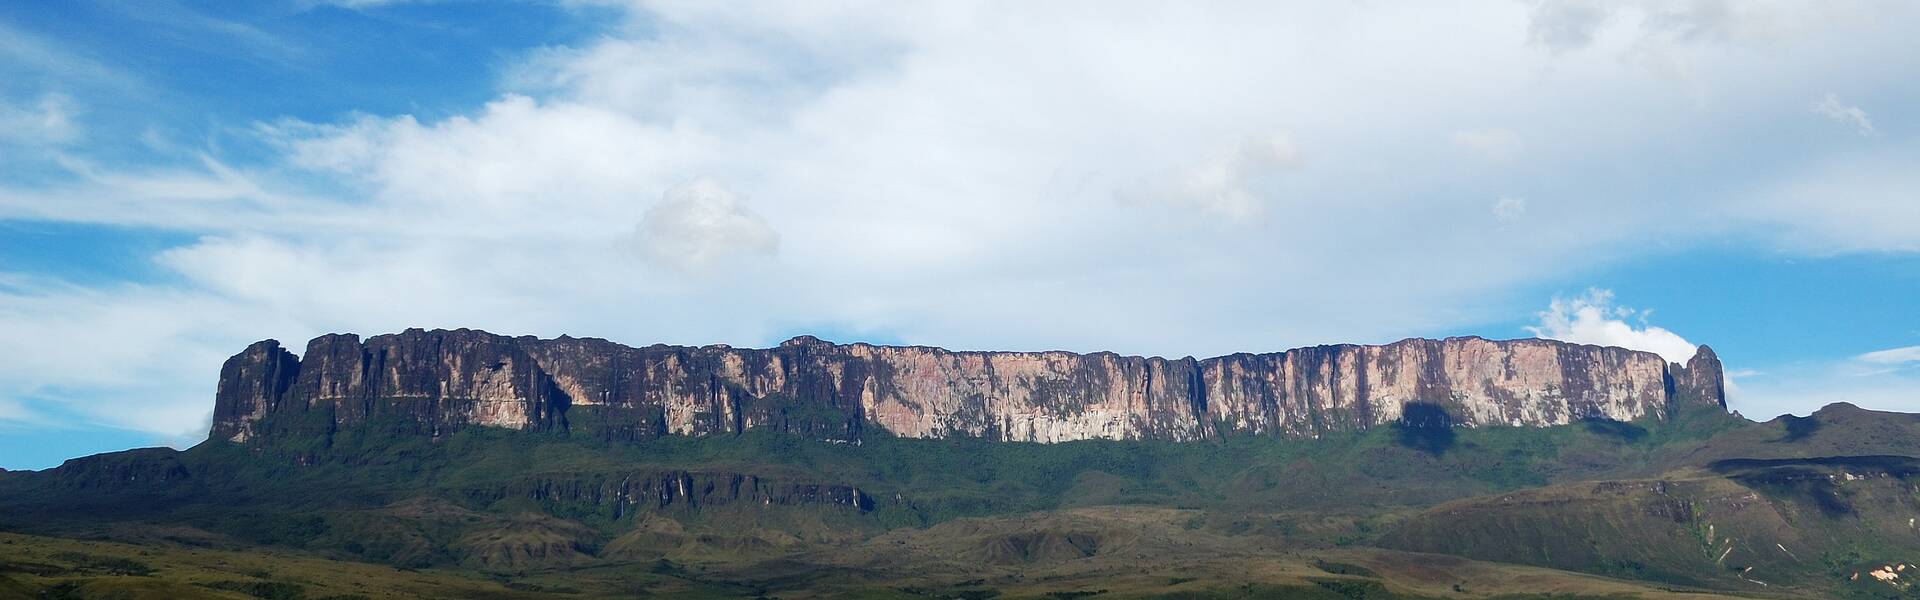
(180,179)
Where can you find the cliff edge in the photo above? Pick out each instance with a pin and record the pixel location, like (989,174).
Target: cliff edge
(431,382)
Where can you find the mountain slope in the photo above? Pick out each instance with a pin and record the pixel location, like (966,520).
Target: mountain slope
(1796,514)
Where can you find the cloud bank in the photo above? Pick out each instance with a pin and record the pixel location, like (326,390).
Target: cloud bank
(1154,179)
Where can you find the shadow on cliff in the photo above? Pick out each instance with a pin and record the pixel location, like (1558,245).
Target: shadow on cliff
(1621,430)
(1426,427)
(1798,428)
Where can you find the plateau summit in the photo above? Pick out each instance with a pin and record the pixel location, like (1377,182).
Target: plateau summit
(432,382)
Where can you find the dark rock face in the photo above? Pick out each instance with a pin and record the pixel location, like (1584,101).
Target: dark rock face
(1699,382)
(433,381)
(251,383)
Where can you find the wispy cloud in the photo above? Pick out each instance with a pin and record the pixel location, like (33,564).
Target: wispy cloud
(32,59)
(1832,108)
(1891,356)
(209,31)
(47,121)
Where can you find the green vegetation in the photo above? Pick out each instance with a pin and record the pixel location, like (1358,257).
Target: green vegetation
(111,565)
(553,515)
(264,590)
(1340,568)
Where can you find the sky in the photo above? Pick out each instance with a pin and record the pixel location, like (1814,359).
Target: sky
(178,180)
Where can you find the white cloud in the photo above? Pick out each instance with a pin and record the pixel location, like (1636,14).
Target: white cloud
(15,412)
(1567,25)
(947,174)
(518,163)
(43,122)
(1592,318)
(114,355)
(1832,108)
(1229,184)
(699,225)
(1892,356)
(1684,42)
(27,58)
(1509,209)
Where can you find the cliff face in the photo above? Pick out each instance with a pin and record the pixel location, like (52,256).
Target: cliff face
(435,381)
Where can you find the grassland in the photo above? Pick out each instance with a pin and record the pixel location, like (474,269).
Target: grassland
(45,567)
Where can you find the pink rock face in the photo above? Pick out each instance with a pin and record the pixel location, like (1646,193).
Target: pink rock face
(1528,382)
(438,380)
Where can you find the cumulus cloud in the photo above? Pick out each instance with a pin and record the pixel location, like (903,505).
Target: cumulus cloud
(1593,318)
(1832,108)
(700,225)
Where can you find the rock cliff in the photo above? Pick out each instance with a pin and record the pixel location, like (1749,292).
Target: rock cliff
(430,382)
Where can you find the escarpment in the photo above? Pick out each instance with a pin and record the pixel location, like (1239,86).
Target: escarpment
(431,382)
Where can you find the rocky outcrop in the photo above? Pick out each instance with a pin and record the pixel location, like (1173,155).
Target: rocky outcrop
(435,381)
(430,381)
(1699,382)
(251,383)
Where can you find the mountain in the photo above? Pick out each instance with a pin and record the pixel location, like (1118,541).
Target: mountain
(464,464)
(437,381)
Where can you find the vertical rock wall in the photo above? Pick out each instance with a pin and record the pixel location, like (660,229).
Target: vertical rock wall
(439,380)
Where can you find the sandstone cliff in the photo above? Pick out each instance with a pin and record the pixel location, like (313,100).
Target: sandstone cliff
(431,382)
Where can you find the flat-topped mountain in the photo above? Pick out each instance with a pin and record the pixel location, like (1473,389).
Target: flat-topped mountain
(432,382)
(518,467)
